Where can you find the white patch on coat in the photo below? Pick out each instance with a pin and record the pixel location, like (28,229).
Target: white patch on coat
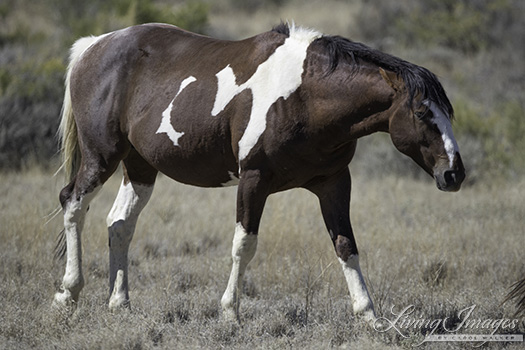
(279,76)
(445,127)
(131,199)
(361,301)
(165,124)
(234,180)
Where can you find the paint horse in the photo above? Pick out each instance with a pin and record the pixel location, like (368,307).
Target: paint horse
(280,110)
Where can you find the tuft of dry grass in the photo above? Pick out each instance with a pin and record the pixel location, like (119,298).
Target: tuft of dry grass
(438,252)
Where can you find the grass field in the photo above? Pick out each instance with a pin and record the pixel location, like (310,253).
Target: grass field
(438,252)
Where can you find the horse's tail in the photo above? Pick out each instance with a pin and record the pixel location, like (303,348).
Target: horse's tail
(67,130)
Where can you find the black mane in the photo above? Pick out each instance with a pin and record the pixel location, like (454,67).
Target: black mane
(416,78)
(282,28)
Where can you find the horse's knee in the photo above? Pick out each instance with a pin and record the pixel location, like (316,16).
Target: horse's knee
(345,247)
(244,244)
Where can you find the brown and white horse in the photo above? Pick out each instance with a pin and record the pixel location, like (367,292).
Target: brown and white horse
(280,110)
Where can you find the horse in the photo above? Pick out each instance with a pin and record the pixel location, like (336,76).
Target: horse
(283,109)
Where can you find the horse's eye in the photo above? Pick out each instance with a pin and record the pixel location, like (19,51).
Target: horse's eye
(420,115)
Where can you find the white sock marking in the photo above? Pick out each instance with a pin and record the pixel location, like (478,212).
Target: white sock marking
(121,221)
(165,124)
(243,250)
(356,286)
(74,215)
(279,76)
(445,127)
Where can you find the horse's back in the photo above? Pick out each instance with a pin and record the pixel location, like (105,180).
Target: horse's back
(144,84)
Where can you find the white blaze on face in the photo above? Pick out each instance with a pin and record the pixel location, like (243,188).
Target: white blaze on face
(445,127)
(165,124)
(279,76)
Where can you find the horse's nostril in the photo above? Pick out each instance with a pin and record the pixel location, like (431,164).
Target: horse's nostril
(450,177)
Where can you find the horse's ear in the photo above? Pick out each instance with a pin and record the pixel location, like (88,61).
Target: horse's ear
(392,79)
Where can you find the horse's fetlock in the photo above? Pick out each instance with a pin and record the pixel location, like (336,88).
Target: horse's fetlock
(73,285)
(118,301)
(64,301)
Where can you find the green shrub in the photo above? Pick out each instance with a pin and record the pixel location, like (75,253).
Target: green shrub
(512,116)
(32,69)
(498,137)
(455,24)
(193,16)
(465,25)
(254,5)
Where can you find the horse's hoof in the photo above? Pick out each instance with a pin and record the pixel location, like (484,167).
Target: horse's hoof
(229,315)
(63,299)
(368,316)
(118,303)
(64,303)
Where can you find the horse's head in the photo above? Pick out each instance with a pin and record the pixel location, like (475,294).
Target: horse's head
(422,130)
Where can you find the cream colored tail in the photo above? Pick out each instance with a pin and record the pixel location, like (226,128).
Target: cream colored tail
(67,131)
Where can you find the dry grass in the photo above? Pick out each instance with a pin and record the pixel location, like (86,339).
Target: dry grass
(439,252)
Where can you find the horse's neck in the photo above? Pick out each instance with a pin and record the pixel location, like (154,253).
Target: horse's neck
(370,124)
(360,106)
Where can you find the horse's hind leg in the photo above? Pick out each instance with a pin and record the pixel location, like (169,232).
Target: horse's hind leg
(133,195)
(75,199)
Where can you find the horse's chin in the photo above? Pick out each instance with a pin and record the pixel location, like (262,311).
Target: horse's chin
(448,188)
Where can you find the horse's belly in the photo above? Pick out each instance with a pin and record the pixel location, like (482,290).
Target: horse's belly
(206,161)
(200,171)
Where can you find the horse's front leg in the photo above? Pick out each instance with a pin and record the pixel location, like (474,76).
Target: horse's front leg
(251,197)
(334,198)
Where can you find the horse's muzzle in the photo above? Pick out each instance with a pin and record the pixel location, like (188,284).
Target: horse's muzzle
(450,179)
